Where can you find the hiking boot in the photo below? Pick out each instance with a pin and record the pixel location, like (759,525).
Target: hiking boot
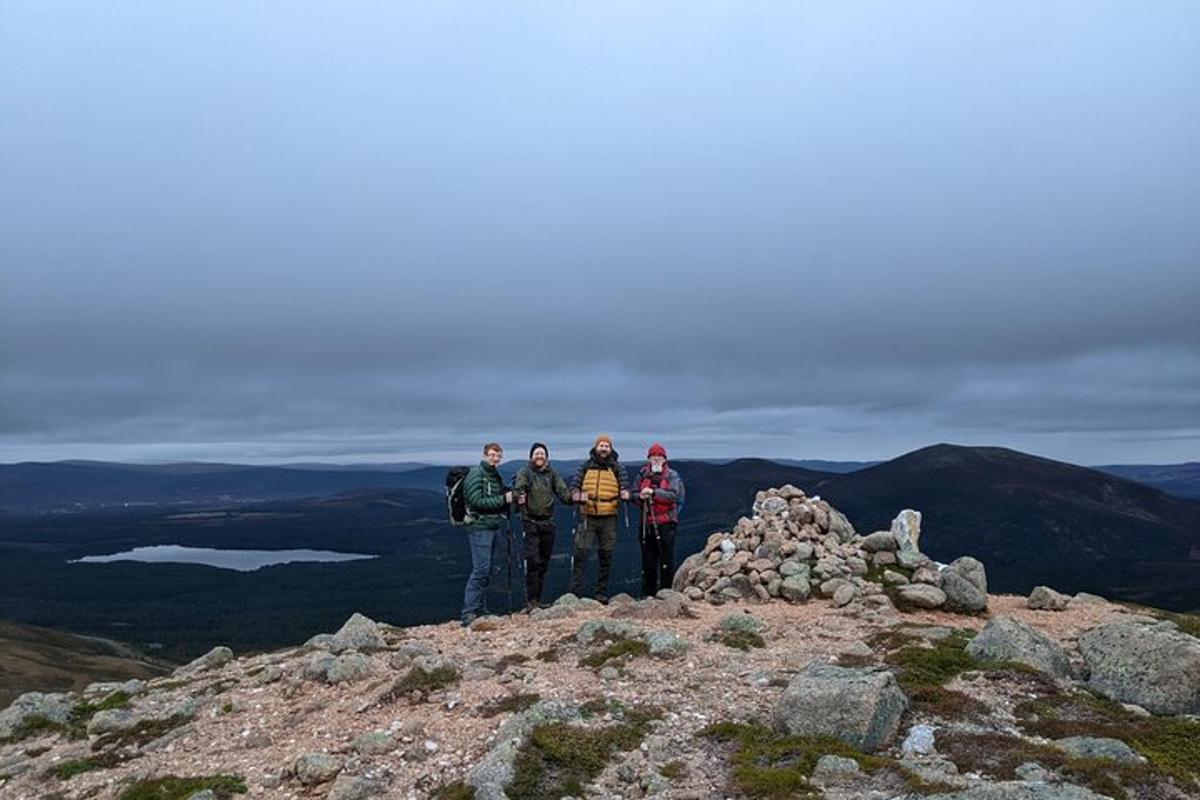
(468,619)
(602,599)
(531,606)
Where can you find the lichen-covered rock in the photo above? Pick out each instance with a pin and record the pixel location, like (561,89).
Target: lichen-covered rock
(349,668)
(595,629)
(906,529)
(1153,665)
(965,585)
(214,658)
(55,708)
(1043,598)
(355,787)
(495,771)
(1008,639)
(358,633)
(880,541)
(795,588)
(1099,747)
(314,768)
(862,707)
(921,595)
(665,644)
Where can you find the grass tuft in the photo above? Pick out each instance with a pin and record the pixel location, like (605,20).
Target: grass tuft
(509,704)
(742,640)
(65,770)
(622,649)
(173,788)
(560,758)
(455,791)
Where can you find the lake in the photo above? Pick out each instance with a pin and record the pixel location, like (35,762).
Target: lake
(240,560)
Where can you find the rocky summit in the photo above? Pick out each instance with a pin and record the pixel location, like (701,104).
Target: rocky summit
(794,657)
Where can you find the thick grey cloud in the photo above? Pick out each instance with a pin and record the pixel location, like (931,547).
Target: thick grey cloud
(366,231)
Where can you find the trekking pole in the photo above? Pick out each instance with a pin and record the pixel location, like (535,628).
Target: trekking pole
(509,559)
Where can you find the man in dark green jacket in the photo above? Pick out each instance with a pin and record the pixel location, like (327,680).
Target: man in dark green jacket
(487,504)
(536,487)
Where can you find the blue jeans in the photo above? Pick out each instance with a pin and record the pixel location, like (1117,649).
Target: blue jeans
(475,595)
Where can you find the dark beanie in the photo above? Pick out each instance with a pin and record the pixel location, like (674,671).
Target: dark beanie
(535,446)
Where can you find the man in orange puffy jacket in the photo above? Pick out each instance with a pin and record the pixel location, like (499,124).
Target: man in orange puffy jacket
(600,485)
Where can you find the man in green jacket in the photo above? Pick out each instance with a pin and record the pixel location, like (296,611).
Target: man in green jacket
(536,487)
(487,501)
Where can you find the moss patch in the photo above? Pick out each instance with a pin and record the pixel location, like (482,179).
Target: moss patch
(142,733)
(419,680)
(741,640)
(1172,744)
(33,726)
(917,665)
(673,770)
(173,788)
(549,655)
(455,791)
(560,758)
(65,770)
(946,703)
(771,765)
(509,704)
(621,650)
(999,755)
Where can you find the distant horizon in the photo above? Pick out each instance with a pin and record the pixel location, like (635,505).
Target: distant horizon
(455,457)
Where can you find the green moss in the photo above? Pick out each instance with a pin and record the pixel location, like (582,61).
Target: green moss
(673,770)
(742,640)
(173,788)
(1171,744)
(560,758)
(65,770)
(771,765)
(999,755)
(917,665)
(550,655)
(419,680)
(622,649)
(599,705)
(83,711)
(946,703)
(455,791)
(509,704)
(142,733)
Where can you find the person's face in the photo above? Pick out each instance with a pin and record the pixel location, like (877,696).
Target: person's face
(539,457)
(656,463)
(494,456)
(604,449)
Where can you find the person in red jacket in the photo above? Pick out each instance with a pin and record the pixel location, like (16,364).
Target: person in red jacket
(658,491)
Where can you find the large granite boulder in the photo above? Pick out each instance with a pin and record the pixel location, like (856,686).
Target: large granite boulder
(217,657)
(1155,665)
(1043,598)
(906,530)
(965,585)
(862,707)
(1007,639)
(31,706)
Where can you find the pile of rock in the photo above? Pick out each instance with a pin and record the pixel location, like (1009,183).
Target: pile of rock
(795,546)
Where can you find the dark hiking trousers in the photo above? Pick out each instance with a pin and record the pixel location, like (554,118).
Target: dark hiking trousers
(539,546)
(658,557)
(597,529)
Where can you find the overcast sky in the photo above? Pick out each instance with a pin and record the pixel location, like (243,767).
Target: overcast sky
(380,231)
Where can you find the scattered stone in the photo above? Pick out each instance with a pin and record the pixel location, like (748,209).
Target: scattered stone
(665,644)
(1022,790)
(880,541)
(374,743)
(314,768)
(921,595)
(742,623)
(322,641)
(1085,599)
(919,740)
(349,668)
(595,629)
(1008,639)
(795,588)
(965,585)
(214,658)
(862,707)
(830,766)
(350,787)
(843,595)
(1043,598)
(1098,747)
(1155,666)
(358,633)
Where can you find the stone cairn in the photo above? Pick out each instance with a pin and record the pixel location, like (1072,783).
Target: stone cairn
(795,547)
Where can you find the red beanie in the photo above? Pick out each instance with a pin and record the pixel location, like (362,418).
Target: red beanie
(657,449)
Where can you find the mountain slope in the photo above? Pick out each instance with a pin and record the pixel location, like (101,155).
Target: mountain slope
(1033,520)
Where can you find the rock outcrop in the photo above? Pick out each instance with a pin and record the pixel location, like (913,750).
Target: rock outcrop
(1153,665)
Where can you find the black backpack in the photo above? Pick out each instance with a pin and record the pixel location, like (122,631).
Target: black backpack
(456,500)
